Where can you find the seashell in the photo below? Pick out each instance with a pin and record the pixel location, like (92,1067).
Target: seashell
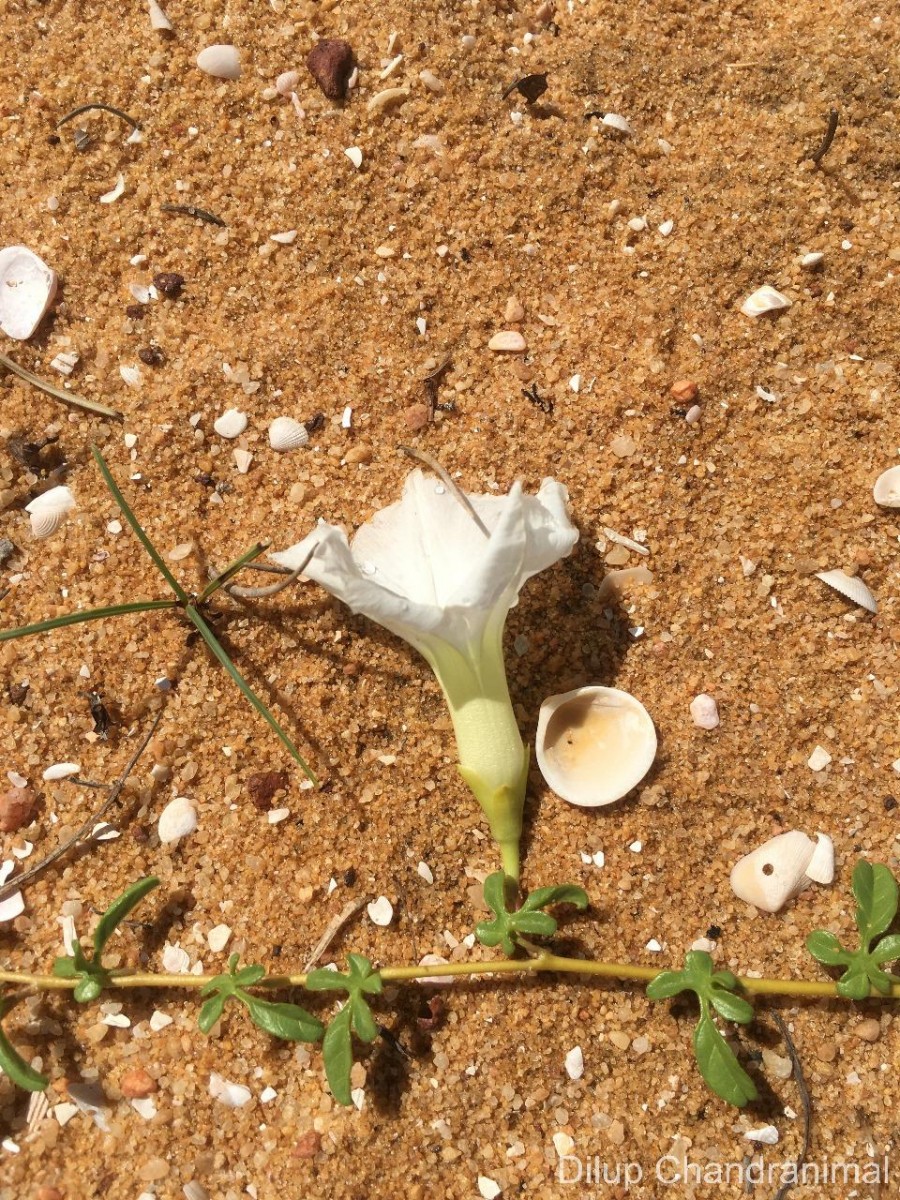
(222,62)
(851,587)
(381,911)
(704,711)
(131,375)
(613,582)
(765,299)
(177,820)
(242,460)
(287,82)
(778,870)
(432,82)
(113,195)
(158,19)
(355,155)
(811,260)
(61,771)
(47,510)
(594,744)
(287,434)
(27,289)
(389,98)
(508,341)
(615,121)
(887,488)
(231,423)
(232,1095)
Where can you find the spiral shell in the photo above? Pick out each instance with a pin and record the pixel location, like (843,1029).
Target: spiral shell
(287,434)
(48,510)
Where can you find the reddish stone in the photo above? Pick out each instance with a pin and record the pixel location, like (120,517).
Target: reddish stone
(331,62)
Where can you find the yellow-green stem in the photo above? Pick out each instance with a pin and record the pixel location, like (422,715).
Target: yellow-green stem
(542,963)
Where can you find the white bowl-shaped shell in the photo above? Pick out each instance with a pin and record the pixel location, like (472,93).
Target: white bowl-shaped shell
(27,289)
(770,875)
(222,62)
(594,744)
(231,423)
(287,434)
(177,819)
(887,488)
(48,510)
(851,587)
(765,299)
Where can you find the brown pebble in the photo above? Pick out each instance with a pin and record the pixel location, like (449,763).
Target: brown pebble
(308,1146)
(417,416)
(48,1193)
(361,453)
(331,63)
(169,283)
(16,808)
(685,391)
(138,1085)
(869,1030)
(513,311)
(826,1051)
(263,785)
(151,356)
(18,693)
(135,311)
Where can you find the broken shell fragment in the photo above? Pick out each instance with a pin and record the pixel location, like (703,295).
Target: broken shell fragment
(851,587)
(48,510)
(594,744)
(287,434)
(389,98)
(782,868)
(765,299)
(231,423)
(177,819)
(158,19)
(508,341)
(27,289)
(887,488)
(222,62)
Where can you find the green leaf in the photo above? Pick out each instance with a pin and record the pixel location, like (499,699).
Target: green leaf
(888,949)
(219,652)
(322,980)
(732,1008)
(363,1021)
(64,967)
(876,895)
(363,975)
(137,527)
(18,1070)
(494,891)
(88,614)
(247,976)
(211,1011)
(825,948)
(667,984)
(119,910)
(854,983)
(534,922)
(565,893)
(719,1066)
(287,1021)
(337,1053)
(88,987)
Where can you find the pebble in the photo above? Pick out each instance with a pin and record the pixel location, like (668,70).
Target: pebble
(514,311)
(623,446)
(685,390)
(169,283)
(508,341)
(868,1030)
(61,771)
(704,711)
(222,62)
(231,423)
(361,453)
(177,820)
(767,1135)
(616,1133)
(575,1063)
(389,98)
(488,1188)
(308,1146)
(137,1084)
(417,416)
(620,1039)
(826,1051)
(776,1064)
(217,938)
(819,759)
(16,809)
(331,63)
(355,155)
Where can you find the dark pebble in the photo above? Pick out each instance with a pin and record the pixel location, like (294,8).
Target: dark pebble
(331,63)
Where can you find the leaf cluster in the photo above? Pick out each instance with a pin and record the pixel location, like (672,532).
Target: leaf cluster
(507,927)
(289,1022)
(355,1016)
(876,895)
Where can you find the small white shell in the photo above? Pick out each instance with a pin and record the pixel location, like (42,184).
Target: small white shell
(811,260)
(113,195)
(615,121)
(820,868)
(158,19)
(765,299)
(508,341)
(381,911)
(704,711)
(770,875)
(887,488)
(231,423)
(389,98)
(232,1095)
(355,155)
(177,819)
(61,771)
(594,744)
(222,62)
(287,82)
(48,510)
(287,434)
(27,289)
(851,587)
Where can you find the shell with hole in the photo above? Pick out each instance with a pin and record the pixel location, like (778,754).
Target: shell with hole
(887,488)
(594,744)
(287,434)
(48,510)
(781,868)
(27,289)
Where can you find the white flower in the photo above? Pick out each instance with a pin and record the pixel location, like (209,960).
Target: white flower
(444,579)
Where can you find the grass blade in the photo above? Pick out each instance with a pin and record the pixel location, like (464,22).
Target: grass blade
(232,569)
(58,393)
(88,614)
(210,638)
(136,526)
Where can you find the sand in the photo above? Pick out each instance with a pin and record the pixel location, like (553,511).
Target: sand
(463,202)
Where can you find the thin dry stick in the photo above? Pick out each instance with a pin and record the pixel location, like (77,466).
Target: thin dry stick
(16,884)
(191,210)
(827,139)
(335,925)
(257,593)
(83,108)
(58,393)
(458,493)
(804,1100)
